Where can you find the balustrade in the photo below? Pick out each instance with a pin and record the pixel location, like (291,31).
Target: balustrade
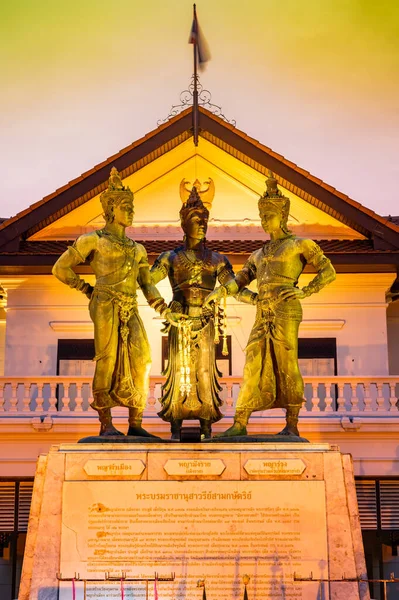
(325,396)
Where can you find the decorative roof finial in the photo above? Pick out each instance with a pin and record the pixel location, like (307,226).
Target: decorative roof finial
(206,194)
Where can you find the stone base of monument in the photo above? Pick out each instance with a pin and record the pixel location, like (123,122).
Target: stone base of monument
(285,514)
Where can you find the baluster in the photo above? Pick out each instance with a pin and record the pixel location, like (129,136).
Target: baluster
(78,399)
(90,398)
(315,398)
(354,397)
(53,399)
(14,398)
(26,407)
(329,399)
(341,398)
(393,401)
(380,397)
(2,401)
(64,401)
(151,401)
(367,398)
(39,399)
(229,399)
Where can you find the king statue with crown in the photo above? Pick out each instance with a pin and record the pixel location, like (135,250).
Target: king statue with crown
(122,352)
(272,378)
(191,390)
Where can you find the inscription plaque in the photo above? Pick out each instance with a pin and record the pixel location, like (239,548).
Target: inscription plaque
(112,468)
(219,530)
(212,466)
(286,466)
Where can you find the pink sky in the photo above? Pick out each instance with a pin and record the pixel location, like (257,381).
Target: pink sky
(315,81)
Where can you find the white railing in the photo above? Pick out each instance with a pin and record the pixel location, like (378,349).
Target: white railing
(64,396)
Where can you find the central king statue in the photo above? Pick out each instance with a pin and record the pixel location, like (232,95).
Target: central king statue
(271,374)
(193,270)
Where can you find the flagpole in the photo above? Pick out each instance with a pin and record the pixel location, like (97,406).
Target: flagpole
(195,91)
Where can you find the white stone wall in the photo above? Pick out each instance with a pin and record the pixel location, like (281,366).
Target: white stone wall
(393,337)
(41,310)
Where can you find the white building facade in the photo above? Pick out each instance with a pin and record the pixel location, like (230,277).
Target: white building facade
(349,337)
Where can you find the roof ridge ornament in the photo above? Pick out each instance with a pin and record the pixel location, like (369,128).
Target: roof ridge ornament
(204,100)
(206,194)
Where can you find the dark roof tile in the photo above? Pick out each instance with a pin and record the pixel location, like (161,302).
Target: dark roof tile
(55,248)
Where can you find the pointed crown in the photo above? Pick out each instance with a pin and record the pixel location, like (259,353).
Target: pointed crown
(273,199)
(194,204)
(114,194)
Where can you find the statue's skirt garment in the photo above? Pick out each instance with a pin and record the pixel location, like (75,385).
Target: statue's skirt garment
(122,350)
(271,374)
(203,400)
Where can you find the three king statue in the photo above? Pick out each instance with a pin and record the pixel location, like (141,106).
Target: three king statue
(191,391)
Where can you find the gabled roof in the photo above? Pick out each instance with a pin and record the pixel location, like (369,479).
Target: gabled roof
(383,232)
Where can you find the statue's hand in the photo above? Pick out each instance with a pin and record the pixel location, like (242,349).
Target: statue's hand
(214,296)
(291,293)
(88,290)
(174,317)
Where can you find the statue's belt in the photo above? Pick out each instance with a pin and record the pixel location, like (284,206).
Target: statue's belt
(126,301)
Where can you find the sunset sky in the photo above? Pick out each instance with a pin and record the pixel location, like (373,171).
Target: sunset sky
(317,81)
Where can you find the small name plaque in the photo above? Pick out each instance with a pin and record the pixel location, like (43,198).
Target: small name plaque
(115,468)
(211,466)
(286,466)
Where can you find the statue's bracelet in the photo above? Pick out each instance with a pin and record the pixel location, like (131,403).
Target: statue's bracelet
(225,290)
(308,290)
(79,284)
(165,311)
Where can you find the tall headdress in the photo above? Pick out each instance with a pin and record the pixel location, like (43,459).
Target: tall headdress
(194,204)
(273,200)
(114,194)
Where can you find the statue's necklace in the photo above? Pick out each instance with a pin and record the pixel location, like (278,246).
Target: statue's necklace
(197,262)
(124,244)
(270,248)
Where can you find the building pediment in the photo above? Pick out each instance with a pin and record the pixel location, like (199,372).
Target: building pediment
(155,165)
(234,209)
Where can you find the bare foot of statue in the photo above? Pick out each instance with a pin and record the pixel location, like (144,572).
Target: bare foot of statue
(289,430)
(236,429)
(109,430)
(137,430)
(206,429)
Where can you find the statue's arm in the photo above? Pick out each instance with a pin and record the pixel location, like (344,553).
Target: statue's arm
(76,254)
(235,284)
(160,268)
(150,291)
(146,283)
(314,256)
(227,279)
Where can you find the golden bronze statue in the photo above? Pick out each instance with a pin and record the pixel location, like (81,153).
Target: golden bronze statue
(191,390)
(122,351)
(271,374)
